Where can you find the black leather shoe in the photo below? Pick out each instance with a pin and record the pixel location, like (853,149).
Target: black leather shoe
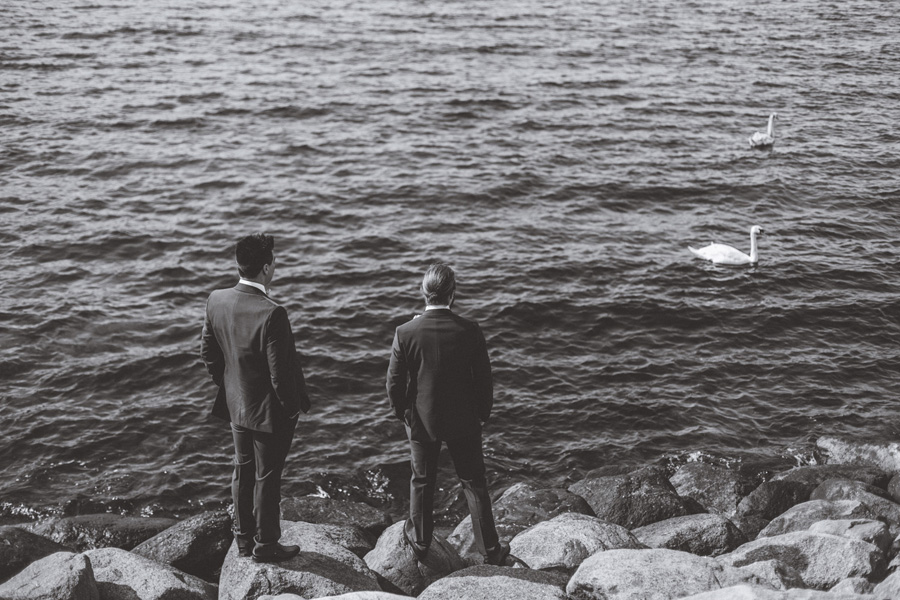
(275,553)
(245,551)
(418,549)
(497,556)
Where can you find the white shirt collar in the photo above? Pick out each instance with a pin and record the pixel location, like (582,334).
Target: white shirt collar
(437,307)
(258,286)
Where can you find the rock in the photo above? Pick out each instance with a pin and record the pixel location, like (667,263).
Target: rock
(893,488)
(821,559)
(20,547)
(312,509)
(853,585)
(812,476)
(197,545)
(635,499)
(718,489)
(874,532)
(59,576)
(884,456)
(497,583)
(703,534)
(393,560)
(885,509)
(747,592)
(766,502)
(889,588)
(122,575)
(520,507)
(774,573)
(803,515)
(846,489)
(655,574)
(350,596)
(566,540)
(99,531)
(326,566)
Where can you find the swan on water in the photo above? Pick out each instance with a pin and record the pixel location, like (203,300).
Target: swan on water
(722,254)
(764,140)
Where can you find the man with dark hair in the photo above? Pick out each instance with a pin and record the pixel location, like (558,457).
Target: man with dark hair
(248,348)
(439,385)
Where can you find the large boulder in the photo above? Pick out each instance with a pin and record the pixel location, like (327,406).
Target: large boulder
(874,532)
(884,456)
(348,596)
(846,489)
(396,564)
(821,559)
(326,566)
(99,531)
(656,574)
(563,542)
(497,583)
(718,489)
(197,545)
(635,499)
(812,476)
(889,588)
(703,534)
(766,502)
(520,507)
(749,592)
(854,585)
(59,576)
(122,575)
(20,547)
(313,509)
(803,515)
(775,573)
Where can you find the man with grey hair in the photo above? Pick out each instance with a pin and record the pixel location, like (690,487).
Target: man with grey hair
(439,385)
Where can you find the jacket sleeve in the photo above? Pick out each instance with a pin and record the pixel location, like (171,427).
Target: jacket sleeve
(301,387)
(282,358)
(481,375)
(397,379)
(211,353)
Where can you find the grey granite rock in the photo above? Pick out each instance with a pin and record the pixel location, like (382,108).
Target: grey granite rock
(822,560)
(767,501)
(100,530)
(803,515)
(716,488)
(564,541)
(635,499)
(59,576)
(123,575)
(703,534)
(196,545)
(881,456)
(20,547)
(312,509)
(497,583)
(393,560)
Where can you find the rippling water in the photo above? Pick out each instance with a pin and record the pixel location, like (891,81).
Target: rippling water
(560,154)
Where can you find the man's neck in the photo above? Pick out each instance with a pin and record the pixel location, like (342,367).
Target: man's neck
(254,283)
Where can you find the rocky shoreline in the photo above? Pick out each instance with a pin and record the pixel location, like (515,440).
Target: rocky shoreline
(829,530)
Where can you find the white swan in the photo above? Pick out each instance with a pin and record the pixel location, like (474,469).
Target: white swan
(764,140)
(721,254)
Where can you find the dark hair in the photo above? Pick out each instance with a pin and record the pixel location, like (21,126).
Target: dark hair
(252,252)
(438,284)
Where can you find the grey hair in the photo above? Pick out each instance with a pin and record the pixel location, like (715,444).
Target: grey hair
(438,284)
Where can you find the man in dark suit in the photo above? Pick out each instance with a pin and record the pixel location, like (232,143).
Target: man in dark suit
(248,348)
(439,385)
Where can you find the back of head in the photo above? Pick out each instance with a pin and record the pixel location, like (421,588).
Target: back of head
(252,252)
(438,284)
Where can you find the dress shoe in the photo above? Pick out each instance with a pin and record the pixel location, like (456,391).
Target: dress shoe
(497,556)
(418,549)
(275,553)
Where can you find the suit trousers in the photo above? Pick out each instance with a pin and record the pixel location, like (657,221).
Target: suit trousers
(468,461)
(259,459)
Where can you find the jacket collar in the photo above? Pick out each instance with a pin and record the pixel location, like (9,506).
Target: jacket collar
(249,289)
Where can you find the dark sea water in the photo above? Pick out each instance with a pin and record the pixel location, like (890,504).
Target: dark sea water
(561,155)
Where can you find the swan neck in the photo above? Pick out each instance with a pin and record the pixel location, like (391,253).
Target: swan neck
(771,129)
(754,255)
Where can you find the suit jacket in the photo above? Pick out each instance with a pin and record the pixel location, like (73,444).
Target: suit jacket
(248,348)
(439,377)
